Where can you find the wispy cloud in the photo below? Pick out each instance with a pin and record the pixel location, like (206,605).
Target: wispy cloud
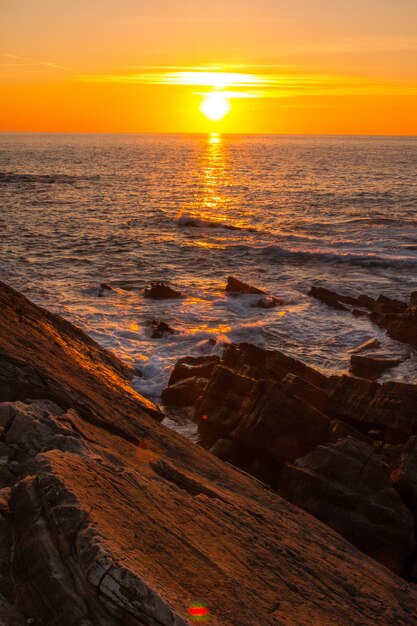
(20,61)
(271,84)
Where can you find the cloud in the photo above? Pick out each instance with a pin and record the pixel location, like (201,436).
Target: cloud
(272,84)
(21,61)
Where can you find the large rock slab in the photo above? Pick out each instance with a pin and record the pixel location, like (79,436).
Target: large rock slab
(110,519)
(346,485)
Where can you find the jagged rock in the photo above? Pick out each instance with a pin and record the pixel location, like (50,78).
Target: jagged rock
(184,392)
(112,519)
(261,414)
(159,329)
(190,366)
(371,365)
(236,286)
(366,345)
(394,316)
(161,291)
(346,486)
(388,407)
(103,289)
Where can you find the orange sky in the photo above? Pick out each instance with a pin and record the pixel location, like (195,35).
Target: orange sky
(285,66)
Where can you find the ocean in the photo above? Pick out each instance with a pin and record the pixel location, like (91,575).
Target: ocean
(282,213)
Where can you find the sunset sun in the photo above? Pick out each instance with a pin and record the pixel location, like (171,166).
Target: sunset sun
(215,106)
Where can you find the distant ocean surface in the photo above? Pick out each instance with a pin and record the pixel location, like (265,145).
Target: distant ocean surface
(281,213)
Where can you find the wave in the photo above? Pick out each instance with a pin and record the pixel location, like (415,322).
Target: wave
(276,253)
(188,220)
(44,179)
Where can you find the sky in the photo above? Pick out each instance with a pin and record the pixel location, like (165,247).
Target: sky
(276,66)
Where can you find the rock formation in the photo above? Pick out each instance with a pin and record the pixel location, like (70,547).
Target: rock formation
(107,518)
(308,436)
(398,318)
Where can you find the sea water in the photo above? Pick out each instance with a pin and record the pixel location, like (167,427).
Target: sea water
(282,213)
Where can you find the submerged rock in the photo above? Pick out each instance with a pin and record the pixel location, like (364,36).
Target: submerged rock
(159,329)
(161,291)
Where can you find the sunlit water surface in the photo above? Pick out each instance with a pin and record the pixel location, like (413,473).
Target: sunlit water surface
(282,213)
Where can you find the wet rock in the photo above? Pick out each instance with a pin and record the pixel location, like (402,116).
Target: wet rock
(371,365)
(184,392)
(103,289)
(160,329)
(394,316)
(346,486)
(161,291)
(236,286)
(366,345)
(269,302)
(189,366)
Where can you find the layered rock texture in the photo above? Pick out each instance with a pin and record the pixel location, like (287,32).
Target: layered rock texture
(339,447)
(108,518)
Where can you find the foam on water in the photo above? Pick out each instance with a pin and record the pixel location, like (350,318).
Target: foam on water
(281,213)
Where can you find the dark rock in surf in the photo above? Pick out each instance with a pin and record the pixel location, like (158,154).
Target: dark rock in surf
(160,329)
(236,286)
(103,289)
(161,291)
(371,365)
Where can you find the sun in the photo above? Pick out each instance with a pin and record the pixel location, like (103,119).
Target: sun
(215,106)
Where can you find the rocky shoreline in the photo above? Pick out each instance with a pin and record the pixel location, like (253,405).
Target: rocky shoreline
(108,518)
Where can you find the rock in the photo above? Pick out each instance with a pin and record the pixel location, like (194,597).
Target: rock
(394,316)
(346,486)
(110,518)
(161,291)
(184,392)
(388,407)
(366,345)
(371,365)
(189,366)
(103,289)
(413,297)
(160,329)
(236,286)
(328,297)
(262,415)
(269,302)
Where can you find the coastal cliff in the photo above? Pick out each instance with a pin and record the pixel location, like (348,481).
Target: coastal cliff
(109,518)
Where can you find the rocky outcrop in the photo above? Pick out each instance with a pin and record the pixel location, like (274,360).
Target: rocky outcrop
(283,422)
(237,287)
(160,329)
(346,485)
(108,518)
(398,318)
(371,365)
(161,291)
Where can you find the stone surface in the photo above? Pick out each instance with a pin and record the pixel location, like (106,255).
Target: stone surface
(237,286)
(160,329)
(161,291)
(394,316)
(346,486)
(371,365)
(189,366)
(110,519)
(184,392)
